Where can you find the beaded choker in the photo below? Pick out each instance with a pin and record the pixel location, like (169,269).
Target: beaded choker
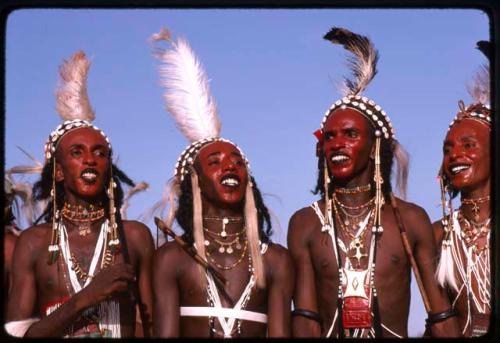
(475,204)
(355,190)
(82,216)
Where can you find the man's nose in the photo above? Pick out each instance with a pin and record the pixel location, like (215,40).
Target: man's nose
(336,143)
(455,152)
(89,158)
(229,165)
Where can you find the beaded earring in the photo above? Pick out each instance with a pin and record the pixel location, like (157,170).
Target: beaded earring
(114,242)
(377,177)
(54,241)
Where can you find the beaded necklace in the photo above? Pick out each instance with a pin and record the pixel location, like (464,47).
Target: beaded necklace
(461,257)
(83,217)
(475,204)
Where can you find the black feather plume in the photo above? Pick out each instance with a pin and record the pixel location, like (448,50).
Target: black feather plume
(486,48)
(364,62)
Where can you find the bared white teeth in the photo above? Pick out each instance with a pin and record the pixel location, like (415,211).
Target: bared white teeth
(88,176)
(231,182)
(339,158)
(457,169)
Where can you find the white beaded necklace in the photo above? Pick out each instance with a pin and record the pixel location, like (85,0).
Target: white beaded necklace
(470,267)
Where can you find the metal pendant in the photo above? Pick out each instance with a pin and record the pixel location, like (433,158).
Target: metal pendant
(84,229)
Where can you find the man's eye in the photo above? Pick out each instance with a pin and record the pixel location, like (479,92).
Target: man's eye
(352,133)
(469,145)
(100,153)
(239,163)
(328,136)
(213,162)
(76,152)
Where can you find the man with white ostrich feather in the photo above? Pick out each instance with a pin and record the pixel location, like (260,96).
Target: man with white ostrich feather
(354,248)
(217,204)
(463,235)
(81,272)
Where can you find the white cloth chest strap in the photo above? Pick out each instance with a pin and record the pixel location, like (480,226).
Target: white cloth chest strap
(199,311)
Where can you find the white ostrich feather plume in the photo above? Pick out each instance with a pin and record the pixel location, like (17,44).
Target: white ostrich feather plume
(479,89)
(72,101)
(187,92)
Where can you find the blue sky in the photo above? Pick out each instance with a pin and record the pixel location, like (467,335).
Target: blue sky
(272,75)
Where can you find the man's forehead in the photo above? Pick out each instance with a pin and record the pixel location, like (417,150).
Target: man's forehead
(346,116)
(85,136)
(218,147)
(468,127)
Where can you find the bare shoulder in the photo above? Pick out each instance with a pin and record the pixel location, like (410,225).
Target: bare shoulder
(438,229)
(35,235)
(136,228)
(34,240)
(302,223)
(278,261)
(137,233)
(277,254)
(169,252)
(412,211)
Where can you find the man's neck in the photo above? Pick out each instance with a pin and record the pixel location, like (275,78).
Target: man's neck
(214,218)
(476,204)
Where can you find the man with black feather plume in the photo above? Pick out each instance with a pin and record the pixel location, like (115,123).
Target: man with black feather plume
(82,271)
(355,247)
(464,234)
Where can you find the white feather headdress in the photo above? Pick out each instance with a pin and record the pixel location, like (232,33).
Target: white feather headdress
(71,94)
(187,92)
(479,90)
(72,101)
(187,98)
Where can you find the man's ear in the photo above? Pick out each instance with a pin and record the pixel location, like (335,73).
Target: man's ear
(59,173)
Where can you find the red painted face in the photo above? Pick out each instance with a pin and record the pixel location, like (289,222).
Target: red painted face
(348,141)
(222,174)
(466,155)
(83,164)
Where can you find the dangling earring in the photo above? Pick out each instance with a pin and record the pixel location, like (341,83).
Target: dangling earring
(377,177)
(445,221)
(114,241)
(54,241)
(328,205)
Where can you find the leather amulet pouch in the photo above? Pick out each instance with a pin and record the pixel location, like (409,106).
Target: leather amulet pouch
(356,311)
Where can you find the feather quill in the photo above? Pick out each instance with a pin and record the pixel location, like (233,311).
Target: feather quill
(72,100)
(140,187)
(363,64)
(187,92)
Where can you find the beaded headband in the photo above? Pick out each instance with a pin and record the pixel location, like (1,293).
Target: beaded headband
(67,126)
(478,112)
(187,157)
(374,113)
